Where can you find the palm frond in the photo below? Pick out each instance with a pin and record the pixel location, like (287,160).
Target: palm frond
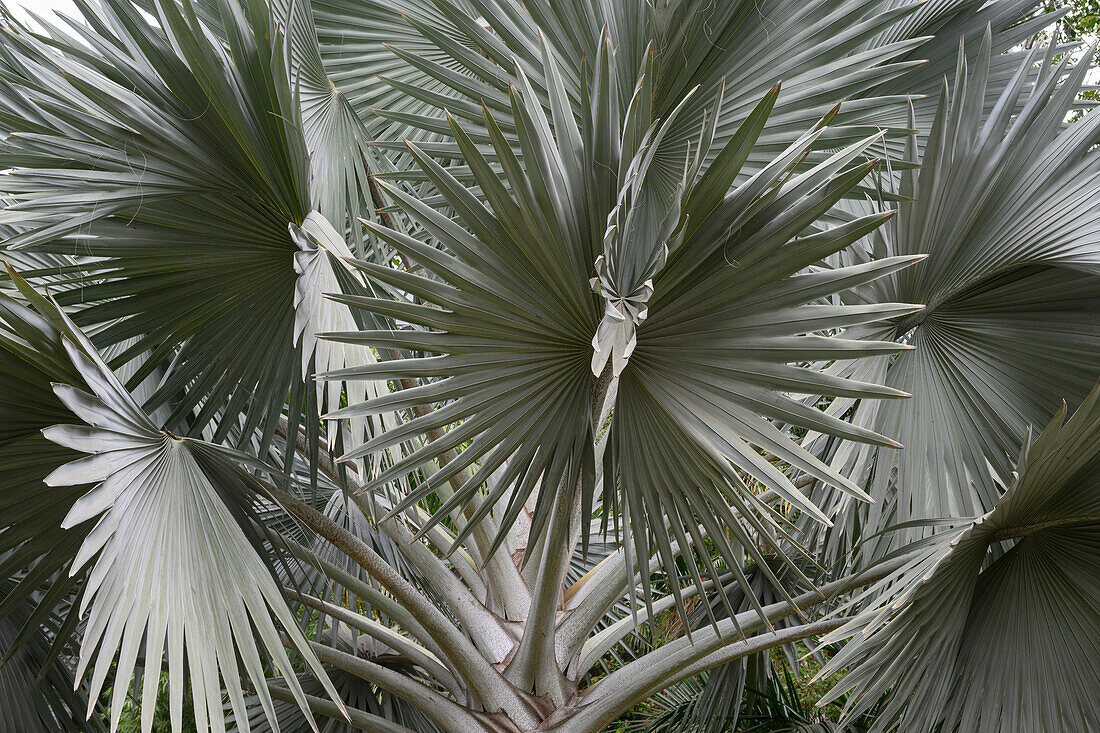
(37,690)
(731,53)
(177,165)
(33,550)
(954,26)
(136,483)
(1006,209)
(517,315)
(973,639)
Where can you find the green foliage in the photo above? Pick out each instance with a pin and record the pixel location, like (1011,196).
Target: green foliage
(130,719)
(1082,20)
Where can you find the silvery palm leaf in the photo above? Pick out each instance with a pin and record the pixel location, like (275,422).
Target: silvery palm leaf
(1006,209)
(457,56)
(1012,24)
(974,633)
(176,162)
(340,160)
(144,505)
(443,48)
(704,309)
(819,50)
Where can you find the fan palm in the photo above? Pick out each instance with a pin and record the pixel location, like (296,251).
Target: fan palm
(388,365)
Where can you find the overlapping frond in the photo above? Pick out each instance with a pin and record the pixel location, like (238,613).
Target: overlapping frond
(715,703)
(345,512)
(732,52)
(341,162)
(628,278)
(32,551)
(1006,209)
(947,23)
(447,55)
(176,166)
(137,485)
(514,315)
(972,639)
(37,691)
(352,40)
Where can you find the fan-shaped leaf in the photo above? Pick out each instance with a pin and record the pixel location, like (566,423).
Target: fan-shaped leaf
(178,164)
(201,589)
(972,639)
(1006,208)
(517,315)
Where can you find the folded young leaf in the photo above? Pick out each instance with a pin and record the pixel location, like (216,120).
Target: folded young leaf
(320,264)
(175,164)
(523,280)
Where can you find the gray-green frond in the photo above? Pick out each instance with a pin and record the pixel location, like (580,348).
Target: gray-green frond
(177,167)
(32,549)
(731,51)
(1013,24)
(148,506)
(37,690)
(519,293)
(605,299)
(1006,208)
(976,632)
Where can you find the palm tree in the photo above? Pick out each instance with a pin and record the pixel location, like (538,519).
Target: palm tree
(387,365)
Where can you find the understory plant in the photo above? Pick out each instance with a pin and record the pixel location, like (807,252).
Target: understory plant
(401,365)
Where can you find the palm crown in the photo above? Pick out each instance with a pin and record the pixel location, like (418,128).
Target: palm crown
(445,345)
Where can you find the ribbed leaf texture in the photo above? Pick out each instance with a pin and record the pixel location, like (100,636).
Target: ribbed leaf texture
(975,633)
(33,553)
(36,685)
(705,282)
(167,570)
(1006,209)
(178,167)
(821,51)
(450,54)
